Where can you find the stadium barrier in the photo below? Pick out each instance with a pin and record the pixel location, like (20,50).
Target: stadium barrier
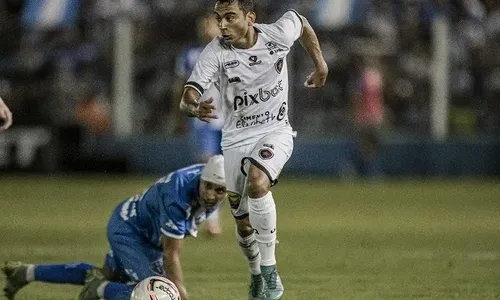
(332,157)
(40,149)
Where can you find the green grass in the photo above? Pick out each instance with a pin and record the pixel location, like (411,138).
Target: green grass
(338,239)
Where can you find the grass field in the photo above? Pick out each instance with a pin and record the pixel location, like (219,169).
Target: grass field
(338,239)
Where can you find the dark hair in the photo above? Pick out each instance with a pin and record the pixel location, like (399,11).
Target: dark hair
(245,5)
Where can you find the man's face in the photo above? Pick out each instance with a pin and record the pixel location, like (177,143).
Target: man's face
(211,193)
(233,22)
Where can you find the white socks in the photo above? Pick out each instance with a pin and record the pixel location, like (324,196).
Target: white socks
(263,219)
(30,273)
(251,250)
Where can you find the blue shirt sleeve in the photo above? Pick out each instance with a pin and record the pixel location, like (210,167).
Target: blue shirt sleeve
(173,211)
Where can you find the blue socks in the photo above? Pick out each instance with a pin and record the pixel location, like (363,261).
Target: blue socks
(63,273)
(75,274)
(118,291)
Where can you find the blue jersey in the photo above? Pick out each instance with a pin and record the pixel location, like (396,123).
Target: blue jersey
(169,207)
(187,60)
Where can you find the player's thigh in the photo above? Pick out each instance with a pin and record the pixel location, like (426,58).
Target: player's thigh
(131,254)
(271,153)
(236,179)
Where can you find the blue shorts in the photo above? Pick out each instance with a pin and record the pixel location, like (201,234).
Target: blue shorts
(131,256)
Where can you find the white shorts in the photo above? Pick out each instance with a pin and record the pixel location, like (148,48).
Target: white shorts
(269,154)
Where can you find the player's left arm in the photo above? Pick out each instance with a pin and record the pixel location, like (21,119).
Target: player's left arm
(310,42)
(172,263)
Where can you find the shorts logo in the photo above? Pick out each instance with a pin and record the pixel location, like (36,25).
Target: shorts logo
(266,153)
(279,65)
(234,199)
(232,64)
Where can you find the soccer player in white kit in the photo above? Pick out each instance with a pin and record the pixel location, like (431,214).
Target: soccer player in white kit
(249,63)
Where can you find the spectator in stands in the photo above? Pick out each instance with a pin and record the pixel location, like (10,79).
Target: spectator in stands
(368,109)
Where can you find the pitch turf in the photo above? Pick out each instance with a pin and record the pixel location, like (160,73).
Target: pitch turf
(423,239)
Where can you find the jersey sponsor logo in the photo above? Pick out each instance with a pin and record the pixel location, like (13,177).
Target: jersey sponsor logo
(254,60)
(278,66)
(281,112)
(249,99)
(234,199)
(257,119)
(232,64)
(273,48)
(266,153)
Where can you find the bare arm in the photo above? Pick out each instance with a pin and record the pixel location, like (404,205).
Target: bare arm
(172,263)
(191,107)
(5,116)
(310,42)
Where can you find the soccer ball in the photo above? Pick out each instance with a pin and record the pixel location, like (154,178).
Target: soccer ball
(155,288)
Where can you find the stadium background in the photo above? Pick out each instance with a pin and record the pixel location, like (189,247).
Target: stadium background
(90,130)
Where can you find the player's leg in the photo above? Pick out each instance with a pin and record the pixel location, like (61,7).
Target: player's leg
(131,256)
(248,245)
(235,182)
(136,259)
(266,162)
(19,274)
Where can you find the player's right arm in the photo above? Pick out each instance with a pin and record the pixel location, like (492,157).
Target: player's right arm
(205,69)
(310,42)
(5,116)
(172,263)
(173,228)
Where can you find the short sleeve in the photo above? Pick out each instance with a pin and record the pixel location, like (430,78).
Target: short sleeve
(206,68)
(289,27)
(172,214)
(173,221)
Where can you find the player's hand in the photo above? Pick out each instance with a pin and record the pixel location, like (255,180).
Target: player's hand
(317,78)
(5,116)
(204,110)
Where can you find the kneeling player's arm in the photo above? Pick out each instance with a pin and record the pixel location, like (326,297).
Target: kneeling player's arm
(189,101)
(172,263)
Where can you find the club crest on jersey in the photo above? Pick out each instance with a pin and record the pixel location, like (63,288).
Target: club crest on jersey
(231,64)
(234,199)
(279,65)
(254,60)
(266,153)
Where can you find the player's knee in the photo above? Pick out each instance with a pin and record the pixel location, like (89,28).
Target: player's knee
(258,183)
(244,228)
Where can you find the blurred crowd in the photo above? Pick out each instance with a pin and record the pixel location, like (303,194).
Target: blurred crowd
(380,55)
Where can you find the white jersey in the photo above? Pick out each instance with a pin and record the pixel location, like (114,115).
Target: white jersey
(253,82)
